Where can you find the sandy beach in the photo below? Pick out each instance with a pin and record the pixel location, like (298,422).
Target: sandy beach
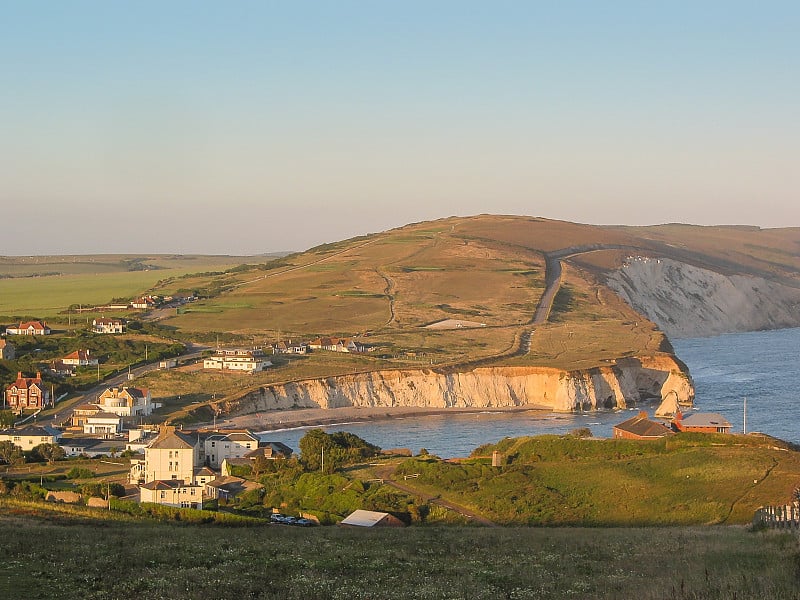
(305,417)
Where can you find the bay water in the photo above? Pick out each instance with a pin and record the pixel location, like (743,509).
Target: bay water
(761,367)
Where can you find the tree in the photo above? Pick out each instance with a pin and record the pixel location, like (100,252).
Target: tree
(10,453)
(6,419)
(319,450)
(49,452)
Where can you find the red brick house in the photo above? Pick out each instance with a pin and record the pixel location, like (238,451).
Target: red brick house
(26,393)
(702,423)
(641,428)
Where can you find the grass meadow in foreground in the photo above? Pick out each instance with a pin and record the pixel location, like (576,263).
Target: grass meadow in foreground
(107,559)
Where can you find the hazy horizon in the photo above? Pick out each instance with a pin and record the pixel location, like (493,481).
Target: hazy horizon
(258,127)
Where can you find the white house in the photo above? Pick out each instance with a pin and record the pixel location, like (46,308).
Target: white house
(79,358)
(103,423)
(27,438)
(106,325)
(245,361)
(219,446)
(127,401)
(29,328)
(171,472)
(177,493)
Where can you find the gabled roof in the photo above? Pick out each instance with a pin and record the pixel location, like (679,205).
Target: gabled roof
(163,484)
(79,355)
(369,518)
(641,426)
(23,383)
(173,440)
(34,431)
(107,321)
(32,325)
(204,471)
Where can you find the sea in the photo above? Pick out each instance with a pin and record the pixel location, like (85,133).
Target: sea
(749,378)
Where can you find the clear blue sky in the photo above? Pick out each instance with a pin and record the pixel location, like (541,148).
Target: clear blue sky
(248,127)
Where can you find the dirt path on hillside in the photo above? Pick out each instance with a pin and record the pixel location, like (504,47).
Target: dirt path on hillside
(386,474)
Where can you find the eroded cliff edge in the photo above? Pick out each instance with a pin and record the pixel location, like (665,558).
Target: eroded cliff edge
(619,385)
(687,301)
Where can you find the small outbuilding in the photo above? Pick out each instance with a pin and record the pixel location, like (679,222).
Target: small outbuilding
(371,518)
(702,423)
(641,428)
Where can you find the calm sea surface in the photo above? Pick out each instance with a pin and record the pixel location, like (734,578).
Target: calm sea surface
(763,367)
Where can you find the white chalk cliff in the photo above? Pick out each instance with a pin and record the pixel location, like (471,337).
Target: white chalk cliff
(687,301)
(620,385)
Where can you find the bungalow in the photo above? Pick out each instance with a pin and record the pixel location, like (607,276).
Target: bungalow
(27,438)
(145,302)
(58,368)
(335,344)
(79,358)
(270,451)
(103,423)
(238,359)
(227,488)
(371,518)
(29,328)
(92,447)
(106,325)
(641,428)
(289,347)
(27,392)
(702,423)
(7,351)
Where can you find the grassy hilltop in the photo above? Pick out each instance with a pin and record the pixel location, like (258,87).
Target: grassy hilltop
(387,287)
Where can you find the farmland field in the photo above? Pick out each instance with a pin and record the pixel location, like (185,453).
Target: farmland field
(46,286)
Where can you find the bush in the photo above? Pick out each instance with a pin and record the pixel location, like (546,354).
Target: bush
(80,473)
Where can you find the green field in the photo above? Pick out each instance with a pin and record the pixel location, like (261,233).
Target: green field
(47,286)
(55,553)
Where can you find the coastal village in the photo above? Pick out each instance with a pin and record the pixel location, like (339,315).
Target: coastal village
(187,468)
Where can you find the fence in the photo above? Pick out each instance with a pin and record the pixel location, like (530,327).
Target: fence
(779,517)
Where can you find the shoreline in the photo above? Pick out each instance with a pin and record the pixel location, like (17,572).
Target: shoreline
(322,417)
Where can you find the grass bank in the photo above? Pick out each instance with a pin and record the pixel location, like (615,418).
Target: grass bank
(116,559)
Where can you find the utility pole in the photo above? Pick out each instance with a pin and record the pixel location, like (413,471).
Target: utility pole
(744,426)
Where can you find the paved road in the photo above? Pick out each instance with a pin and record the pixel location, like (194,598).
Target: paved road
(61,416)
(553,272)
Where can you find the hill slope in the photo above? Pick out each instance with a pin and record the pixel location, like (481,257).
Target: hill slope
(492,270)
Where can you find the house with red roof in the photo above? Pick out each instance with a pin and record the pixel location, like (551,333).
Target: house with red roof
(79,358)
(29,328)
(702,423)
(641,428)
(27,393)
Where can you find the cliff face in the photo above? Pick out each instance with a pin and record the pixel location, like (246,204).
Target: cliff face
(686,301)
(622,384)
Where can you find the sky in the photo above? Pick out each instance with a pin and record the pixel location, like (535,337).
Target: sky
(250,127)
